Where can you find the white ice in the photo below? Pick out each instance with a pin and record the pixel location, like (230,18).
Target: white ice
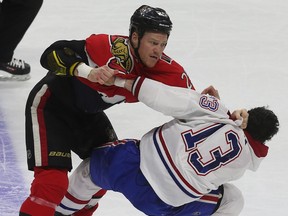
(239,46)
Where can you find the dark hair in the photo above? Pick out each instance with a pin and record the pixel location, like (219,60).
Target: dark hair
(151,19)
(263,124)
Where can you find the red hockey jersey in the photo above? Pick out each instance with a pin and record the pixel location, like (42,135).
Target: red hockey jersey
(115,51)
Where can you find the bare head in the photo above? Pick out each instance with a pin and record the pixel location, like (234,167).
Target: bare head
(263,124)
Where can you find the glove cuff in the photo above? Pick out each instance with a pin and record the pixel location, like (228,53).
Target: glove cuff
(72,68)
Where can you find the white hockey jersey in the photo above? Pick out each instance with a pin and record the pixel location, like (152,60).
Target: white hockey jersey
(197,151)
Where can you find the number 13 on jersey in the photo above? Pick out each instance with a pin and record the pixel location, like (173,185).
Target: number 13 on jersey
(205,157)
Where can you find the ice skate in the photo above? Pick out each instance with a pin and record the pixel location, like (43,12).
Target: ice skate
(16,69)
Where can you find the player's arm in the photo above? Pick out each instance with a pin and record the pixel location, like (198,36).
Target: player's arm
(68,58)
(169,100)
(240,114)
(210,90)
(63,57)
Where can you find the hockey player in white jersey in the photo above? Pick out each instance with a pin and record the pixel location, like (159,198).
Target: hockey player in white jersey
(176,165)
(202,147)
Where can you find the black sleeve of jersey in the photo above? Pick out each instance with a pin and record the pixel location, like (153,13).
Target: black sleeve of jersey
(59,48)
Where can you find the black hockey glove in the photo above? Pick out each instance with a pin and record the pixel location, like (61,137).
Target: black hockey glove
(63,62)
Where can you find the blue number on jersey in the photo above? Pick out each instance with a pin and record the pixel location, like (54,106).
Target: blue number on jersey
(218,157)
(209,102)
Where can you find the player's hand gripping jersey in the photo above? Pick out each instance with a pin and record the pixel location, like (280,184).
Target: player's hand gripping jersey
(201,149)
(63,57)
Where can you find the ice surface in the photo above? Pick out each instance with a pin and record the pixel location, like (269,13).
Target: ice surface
(239,46)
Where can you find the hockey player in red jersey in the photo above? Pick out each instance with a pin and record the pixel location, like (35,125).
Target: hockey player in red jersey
(64,110)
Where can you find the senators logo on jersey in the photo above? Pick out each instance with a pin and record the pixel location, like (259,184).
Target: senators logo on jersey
(121,59)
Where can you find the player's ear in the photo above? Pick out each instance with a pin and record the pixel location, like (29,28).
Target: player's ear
(135,39)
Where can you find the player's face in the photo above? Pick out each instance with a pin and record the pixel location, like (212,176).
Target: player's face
(151,48)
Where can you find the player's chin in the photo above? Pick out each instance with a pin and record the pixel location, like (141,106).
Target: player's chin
(152,62)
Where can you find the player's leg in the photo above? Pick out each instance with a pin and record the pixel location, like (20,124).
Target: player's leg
(45,192)
(93,204)
(73,202)
(81,187)
(93,131)
(80,191)
(15,18)
(47,141)
(96,129)
(206,205)
(232,202)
